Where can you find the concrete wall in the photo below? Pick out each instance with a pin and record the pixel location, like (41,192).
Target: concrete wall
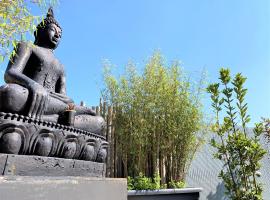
(57,188)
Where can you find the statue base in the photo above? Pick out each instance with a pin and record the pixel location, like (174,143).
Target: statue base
(68,188)
(23,135)
(21,165)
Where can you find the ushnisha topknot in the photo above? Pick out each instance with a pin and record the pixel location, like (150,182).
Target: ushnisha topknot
(48,20)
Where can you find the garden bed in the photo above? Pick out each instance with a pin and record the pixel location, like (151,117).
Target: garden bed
(165,194)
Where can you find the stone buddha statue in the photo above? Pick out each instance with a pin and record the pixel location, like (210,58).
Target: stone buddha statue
(36,84)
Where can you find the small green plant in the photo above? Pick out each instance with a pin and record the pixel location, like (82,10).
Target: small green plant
(156,182)
(240,152)
(141,182)
(177,184)
(130,183)
(163,186)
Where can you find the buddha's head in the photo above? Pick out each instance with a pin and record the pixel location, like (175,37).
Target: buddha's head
(48,32)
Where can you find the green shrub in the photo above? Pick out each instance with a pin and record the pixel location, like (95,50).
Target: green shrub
(142,182)
(240,152)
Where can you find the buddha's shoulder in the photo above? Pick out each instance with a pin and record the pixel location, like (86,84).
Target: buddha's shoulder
(25,44)
(24,47)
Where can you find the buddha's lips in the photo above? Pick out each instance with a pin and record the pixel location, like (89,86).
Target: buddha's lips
(55,39)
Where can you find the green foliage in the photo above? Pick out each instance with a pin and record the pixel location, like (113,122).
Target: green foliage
(158,118)
(240,152)
(266,124)
(15,21)
(177,184)
(141,182)
(130,183)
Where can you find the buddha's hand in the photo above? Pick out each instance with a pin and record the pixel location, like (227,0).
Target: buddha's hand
(39,101)
(61,97)
(92,112)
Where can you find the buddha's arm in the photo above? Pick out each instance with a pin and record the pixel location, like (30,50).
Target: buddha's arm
(80,110)
(14,74)
(62,85)
(14,71)
(60,91)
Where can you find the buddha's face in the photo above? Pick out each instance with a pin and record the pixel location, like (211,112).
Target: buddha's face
(52,35)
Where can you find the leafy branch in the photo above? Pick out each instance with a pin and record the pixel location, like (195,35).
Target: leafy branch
(240,151)
(16,21)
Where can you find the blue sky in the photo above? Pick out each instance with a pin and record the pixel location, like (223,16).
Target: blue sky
(205,34)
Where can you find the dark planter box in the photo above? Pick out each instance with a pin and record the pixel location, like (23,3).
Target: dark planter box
(166,194)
